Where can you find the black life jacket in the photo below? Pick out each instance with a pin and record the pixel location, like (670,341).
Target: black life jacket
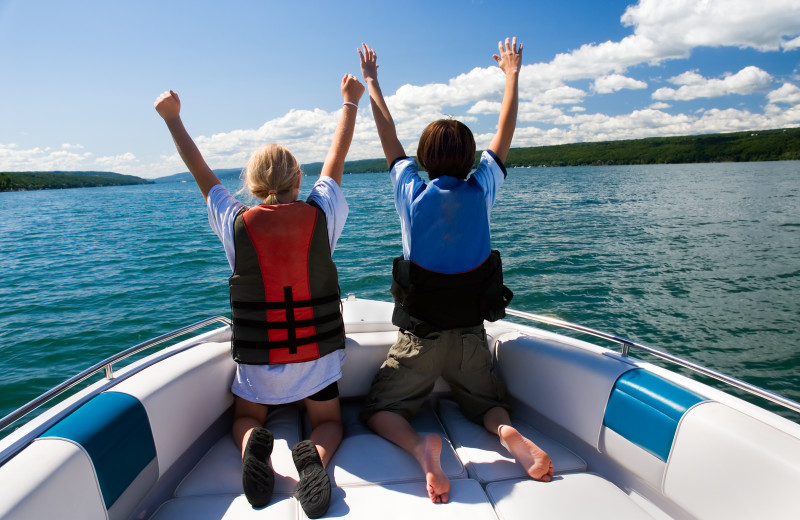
(427,301)
(285,300)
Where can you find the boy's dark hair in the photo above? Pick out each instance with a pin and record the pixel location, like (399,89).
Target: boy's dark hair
(446,147)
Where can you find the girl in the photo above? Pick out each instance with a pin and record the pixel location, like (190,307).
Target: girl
(288,335)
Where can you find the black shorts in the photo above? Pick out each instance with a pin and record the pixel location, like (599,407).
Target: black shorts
(326,394)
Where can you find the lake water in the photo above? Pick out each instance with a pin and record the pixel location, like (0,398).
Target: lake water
(700,260)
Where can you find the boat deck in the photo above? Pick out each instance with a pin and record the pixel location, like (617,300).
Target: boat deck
(627,440)
(373,477)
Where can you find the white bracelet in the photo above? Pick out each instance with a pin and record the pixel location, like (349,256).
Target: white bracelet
(350,103)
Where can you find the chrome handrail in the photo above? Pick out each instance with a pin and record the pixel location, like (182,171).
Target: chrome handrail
(105,365)
(628,344)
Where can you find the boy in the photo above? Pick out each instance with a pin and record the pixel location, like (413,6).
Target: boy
(447,282)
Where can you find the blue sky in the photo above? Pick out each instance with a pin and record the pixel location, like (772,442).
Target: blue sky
(79,78)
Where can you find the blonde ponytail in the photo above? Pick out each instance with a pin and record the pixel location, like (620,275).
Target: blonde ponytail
(272,169)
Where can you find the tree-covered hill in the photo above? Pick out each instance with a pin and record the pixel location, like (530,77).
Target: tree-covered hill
(763,145)
(19,181)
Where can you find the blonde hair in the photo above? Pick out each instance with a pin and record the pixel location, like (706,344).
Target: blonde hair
(272,169)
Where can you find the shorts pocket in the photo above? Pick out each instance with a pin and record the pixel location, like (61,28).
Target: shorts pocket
(475,356)
(411,351)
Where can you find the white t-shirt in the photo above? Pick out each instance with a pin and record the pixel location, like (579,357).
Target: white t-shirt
(278,384)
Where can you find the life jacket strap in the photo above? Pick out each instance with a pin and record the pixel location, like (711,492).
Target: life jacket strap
(285,305)
(289,343)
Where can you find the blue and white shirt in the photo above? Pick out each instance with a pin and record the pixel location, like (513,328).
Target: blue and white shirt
(445,223)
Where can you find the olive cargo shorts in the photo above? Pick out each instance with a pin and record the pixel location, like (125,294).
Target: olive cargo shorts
(460,356)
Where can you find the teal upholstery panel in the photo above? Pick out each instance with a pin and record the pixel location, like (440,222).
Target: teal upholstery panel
(114,430)
(646,409)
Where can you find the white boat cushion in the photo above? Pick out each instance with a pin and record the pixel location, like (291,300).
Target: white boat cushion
(575,497)
(410,501)
(366,458)
(226,507)
(716,470)
(182,408)
(647,466)
(486,459)
(568,384)
(367,316)
(362,458)
(51,478)
(366,352)
(220,469)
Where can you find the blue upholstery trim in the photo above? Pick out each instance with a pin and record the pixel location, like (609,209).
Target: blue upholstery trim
(114,430)
(646,409)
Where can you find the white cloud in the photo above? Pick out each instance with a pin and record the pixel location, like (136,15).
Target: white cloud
(692,85)
(658,105)
(653,123)
(116,163)
(791,44)
(563,95)
(787,93)
(615,82)
(13,158)
(670,30)
(477,84)
(306,133)
(538,112)
(485,107)
(682,25)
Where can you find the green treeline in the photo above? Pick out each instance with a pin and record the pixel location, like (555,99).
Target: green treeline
(762,145)
(20,181)
(362,166)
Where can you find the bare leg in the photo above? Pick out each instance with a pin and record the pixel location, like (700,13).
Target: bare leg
(246,416)
(312,456)
(255,443)
(427,450)
(535,461)
(326,426)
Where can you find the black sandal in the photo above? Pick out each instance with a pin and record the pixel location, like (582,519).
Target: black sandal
(258,478)
(314,489)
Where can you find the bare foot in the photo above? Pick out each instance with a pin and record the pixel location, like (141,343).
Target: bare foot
(437,481)
(535,461)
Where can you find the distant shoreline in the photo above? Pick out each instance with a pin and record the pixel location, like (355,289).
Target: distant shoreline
(757,145)
(57,180)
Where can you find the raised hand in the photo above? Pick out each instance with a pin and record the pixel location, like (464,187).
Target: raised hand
(352,89)
(168,105)
(510,58)
(369,62)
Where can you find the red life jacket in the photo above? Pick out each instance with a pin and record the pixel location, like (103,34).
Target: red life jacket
(285,300)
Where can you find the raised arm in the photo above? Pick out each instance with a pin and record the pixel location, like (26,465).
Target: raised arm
(510,61)
(333,166)
(387,132)
(168,106)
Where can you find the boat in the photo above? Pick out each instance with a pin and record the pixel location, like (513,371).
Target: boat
(628,438)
